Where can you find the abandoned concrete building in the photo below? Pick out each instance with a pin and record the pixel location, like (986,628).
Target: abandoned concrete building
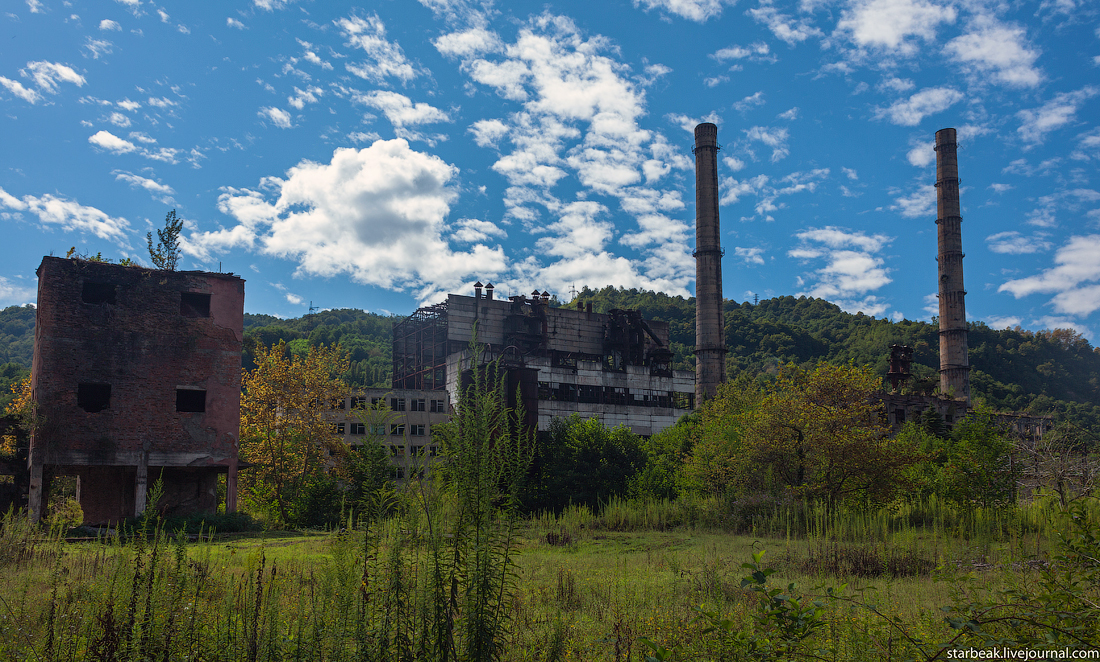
(136,377)
(613,366)
(401,420)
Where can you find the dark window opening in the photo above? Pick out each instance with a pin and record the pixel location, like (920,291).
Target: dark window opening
(338,428)
(194,304)
(98,292)
(93,398)
(358,428)
(190,400)
(397,404)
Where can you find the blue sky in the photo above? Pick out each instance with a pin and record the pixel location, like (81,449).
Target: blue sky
(381,155)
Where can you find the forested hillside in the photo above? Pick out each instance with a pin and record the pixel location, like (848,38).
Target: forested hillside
(1013,370)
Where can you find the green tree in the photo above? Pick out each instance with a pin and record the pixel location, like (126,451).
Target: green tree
(287,432)
(166,254)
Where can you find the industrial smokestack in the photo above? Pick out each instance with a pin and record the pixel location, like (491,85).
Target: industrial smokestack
(954,361)
(710,337)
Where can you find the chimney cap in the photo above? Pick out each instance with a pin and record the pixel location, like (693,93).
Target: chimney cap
(489,286)
(545,294)
(478,285)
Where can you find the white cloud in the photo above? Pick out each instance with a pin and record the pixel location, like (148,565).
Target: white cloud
(24,93)
(161,102)
(921,203)
(468,43)
(142,138)
(487,133)
(716,81)
(302,97)
(472,231)
(35,6)
(48,75)
(749,102)
(749,255)
(693,10)
(161,192)
(12,293)
(98,47)
(1003,321)
(1054,114)
(895,84)
(1077,262)
(851,270)
(790,30)
(789,115)
(377,214)
(233,23)
(1014,243)
(891,25)
(400,110)
(70,216)
(993,48)
(276,116)
(768,191)
(118,119)
(774,138)
(126,104)
(112,143)
(758,49)
(384,58)
(108,24)
(922,155)
(929,101)
(294,299)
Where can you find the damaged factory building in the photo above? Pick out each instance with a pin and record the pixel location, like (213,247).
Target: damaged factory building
(136,377)
(614,366)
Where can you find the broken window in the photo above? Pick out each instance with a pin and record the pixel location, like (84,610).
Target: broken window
(418,404)
(397,404)
(358,428)
(439,406)
(358,403)
(190,400)
(93,398)
(94,292)
(194,304)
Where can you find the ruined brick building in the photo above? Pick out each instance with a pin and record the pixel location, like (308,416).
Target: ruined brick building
(136,376)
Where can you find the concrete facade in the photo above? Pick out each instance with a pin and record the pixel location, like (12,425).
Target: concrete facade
(136,376)
(612,366)
(954,359)
(400,419)
(710,336)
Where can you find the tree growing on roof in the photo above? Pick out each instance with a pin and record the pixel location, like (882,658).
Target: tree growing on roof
(166,254)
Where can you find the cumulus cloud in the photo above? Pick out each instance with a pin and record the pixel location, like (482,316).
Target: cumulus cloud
(377,214)
(1014,243)
(276,116)
(15,87)
(108,24)
(768,192)
(893,25)
(233,23)
(1061,110)
(693,10)
(468,43)
(69,215)
(749,255)
(992,48)
(384,58)
(922,155)
(98,47)
(756,50)
(1076,266)
(112,143)
(929,101)
(472,231)
(851,269)
(749,102)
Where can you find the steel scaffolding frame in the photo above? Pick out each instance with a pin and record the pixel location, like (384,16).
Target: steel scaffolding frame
(420,350)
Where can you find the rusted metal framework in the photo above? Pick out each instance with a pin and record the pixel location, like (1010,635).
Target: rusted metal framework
(420,350)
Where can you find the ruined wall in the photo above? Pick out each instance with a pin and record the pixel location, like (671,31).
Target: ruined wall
(136,368)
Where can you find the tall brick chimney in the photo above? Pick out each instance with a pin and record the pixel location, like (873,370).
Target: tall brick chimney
(710,341)
(954,361)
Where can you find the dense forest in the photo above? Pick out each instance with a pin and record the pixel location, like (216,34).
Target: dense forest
(1042,372)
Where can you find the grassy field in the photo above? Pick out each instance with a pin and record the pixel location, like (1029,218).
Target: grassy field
(581,588)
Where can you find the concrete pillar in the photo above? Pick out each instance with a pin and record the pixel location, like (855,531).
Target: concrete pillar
(141,484)
(231,487)
(710,336)
(954,359)
(37,494)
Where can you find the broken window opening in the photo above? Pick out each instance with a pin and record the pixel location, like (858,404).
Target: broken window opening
(194,304)
(93,398)
(190,400)
(98,293)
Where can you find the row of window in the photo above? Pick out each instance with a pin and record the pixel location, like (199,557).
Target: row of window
(192,304)
(614,395)
(395,429)
(399,404)
(95,397)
